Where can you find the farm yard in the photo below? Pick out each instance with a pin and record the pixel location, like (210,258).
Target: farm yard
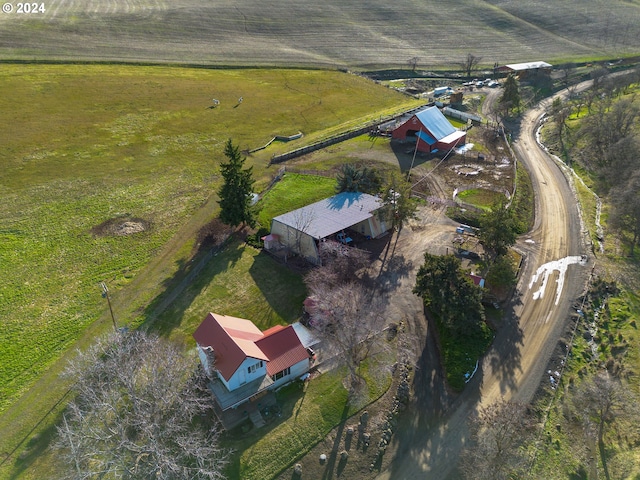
(93,151)
(115,190)
(335,34)
(114,117)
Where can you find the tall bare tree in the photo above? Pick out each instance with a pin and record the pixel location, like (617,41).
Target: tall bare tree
(498,432)
(598,403)
(349,318)
(625,215)
(560,112)
(302,221)
(141,411)
(567,70)
(398,202)
(340,265)
(607,125)
(469,64)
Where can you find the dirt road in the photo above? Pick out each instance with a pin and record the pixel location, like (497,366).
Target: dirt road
(428,444)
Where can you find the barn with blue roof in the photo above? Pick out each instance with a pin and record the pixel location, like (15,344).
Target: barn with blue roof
(431,130)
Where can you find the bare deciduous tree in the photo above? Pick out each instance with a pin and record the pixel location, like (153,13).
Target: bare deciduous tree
(340,264)
(349,319)
(398,203)
(469,64)
(598,403)
(625,214)
(608,125)
(498,432)
(141,411)
(302,221)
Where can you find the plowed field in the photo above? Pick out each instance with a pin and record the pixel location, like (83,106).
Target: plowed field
(329,33)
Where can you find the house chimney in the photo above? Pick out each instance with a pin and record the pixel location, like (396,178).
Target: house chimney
(211,360)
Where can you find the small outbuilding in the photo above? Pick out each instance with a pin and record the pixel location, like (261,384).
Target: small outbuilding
(301,230)
(522,70)
(477,280)
(431,130)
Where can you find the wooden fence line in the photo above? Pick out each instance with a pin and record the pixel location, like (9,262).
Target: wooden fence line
(341,137)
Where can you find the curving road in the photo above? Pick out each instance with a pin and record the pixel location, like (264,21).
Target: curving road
(428,445)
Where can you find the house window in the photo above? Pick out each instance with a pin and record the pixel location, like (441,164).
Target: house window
(254,367)
(283,373)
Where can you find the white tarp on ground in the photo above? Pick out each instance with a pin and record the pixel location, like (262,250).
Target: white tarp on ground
(464,148)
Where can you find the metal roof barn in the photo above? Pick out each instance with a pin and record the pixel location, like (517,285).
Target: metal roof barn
(431,130)
(301,230)
(333,214)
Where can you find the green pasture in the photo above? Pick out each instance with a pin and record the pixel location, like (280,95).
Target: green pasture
(480,197)
(457,122)
(84,144)
(294,191)
(461,352)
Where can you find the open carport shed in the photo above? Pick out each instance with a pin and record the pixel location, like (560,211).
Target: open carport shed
(301,230)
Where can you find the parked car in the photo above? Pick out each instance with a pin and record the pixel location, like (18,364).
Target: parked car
(469,254)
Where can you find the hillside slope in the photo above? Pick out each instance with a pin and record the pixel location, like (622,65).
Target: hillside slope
(341,33)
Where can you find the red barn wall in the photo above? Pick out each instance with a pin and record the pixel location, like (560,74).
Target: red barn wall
(400,133)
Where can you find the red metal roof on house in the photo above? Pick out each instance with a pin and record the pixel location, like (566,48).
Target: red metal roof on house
(275,329)
(477,280)
(283,348)
(232,339)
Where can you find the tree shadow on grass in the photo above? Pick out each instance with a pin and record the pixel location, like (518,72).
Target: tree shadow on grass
(281,287)
(331,461)
(166,311)
(37,446)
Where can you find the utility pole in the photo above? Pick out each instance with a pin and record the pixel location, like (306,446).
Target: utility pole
(105,294)
(414,154)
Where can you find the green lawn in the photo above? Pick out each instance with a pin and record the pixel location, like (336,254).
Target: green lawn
(240,281)
(480,197)
(308,415)
(83,144)
(461,352)
(292,192)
